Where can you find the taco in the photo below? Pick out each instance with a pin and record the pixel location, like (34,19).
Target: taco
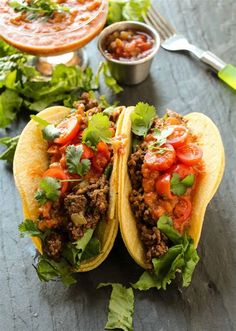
(66,171)
(169,171)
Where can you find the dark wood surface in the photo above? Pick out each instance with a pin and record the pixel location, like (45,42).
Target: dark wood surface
(209,304)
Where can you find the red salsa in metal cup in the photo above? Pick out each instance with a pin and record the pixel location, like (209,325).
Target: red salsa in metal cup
(128,44)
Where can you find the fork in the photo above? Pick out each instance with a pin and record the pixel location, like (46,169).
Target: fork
(173,41)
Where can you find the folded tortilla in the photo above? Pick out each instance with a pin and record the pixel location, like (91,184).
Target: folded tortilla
(209,140)
(31,161)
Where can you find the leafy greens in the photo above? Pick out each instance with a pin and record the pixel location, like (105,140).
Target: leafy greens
(181,258)
(121,307)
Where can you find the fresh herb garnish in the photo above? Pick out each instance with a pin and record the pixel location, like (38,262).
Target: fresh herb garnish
(29,228)
(73,160)
(97,130)
(179,187)
(37,8)
(142,118)
(49,189)
(10,143)
(121,307)
(39,120)
(181,257)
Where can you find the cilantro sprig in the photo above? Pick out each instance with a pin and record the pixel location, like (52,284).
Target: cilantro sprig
(37,8)
(179,187)
(49,189)
(8,153)
(97,130)
(142,118)
(73,160)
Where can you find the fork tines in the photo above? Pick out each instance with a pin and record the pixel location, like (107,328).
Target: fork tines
(154,19)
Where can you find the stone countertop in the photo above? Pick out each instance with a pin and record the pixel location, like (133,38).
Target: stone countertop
(177,82)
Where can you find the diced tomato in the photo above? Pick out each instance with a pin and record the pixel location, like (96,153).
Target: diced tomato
(172,120)
(88,153)
(161,159)
(59,174)
(69,128)
(182,170)
(189,154)
(163,186)
(178,137)
(103,148)
(182,212)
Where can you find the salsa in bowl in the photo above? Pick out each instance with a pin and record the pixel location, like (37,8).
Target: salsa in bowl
(51,27)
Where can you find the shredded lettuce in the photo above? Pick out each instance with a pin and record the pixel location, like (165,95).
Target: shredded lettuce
(121,307)
(180,258)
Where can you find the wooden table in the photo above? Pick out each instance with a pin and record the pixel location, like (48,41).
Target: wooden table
(176,82)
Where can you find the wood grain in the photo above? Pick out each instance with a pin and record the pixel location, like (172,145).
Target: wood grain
(209,304)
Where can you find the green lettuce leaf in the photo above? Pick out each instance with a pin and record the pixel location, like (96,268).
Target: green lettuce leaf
(92,249)
(48,269)
(73,250)
(8,153)
(10,102)
(121,307)
(146,281)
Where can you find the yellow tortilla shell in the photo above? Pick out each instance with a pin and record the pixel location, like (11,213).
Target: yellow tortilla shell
(209,140)
(31,161)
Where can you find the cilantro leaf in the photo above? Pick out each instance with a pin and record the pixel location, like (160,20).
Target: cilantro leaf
(121,307)
(11,144)
(50,132)
(161,136)
(97,130)
(49,189)
(73,160)
(179,187)
(142,118)
(29,228)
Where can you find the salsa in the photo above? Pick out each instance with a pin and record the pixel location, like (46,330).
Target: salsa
(64,26)
(128,45)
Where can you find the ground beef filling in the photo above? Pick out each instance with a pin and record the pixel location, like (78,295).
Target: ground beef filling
(155,243)
(90,203)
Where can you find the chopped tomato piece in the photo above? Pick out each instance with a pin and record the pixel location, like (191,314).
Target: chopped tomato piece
(178,137)
(99,162)
(182,170)
(161,159)
(189,154)
(88,153)
(69,128)
(103,148)
(59,174)
(182,212)
(163,186)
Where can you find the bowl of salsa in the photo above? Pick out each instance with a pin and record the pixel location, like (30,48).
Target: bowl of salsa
(129,48)
(49,27)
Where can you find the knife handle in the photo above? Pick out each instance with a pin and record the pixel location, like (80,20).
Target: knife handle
(228,75)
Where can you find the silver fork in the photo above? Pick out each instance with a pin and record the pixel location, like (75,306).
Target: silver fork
(173,41)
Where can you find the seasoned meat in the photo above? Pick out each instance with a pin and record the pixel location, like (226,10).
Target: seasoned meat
(53,245)
(134,165)
(90,202)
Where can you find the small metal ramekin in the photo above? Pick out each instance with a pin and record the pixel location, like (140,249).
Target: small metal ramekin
(130,72)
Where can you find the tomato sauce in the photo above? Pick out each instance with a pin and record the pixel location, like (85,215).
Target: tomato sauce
(62,32)
(128,45)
